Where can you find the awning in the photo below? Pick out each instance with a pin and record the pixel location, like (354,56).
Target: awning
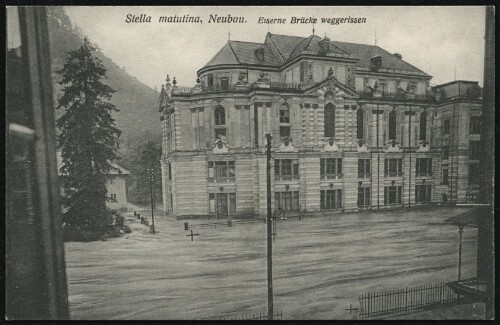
(469,218)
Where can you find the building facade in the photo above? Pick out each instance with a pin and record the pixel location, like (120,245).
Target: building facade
(353,128)
(116,185)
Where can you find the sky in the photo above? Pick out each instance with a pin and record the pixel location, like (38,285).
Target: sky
(442,41)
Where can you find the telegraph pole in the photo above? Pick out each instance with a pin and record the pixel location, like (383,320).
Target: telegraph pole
(151,174)
(270,311)
(378,162)
(409,150)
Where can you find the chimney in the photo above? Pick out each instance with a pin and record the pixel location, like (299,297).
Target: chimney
(399,56)
(325,45)
(259,53)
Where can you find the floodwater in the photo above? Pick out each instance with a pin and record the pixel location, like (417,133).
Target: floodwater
(320,266)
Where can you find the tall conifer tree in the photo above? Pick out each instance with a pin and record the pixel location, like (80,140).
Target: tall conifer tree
(88,139)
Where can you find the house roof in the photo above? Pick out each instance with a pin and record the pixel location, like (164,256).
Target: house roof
(311,44)
(289,47)
(117,170)
(470,217)
(365,52)
(236,52)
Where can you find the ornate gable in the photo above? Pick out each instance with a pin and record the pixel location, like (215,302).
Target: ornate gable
(332,86)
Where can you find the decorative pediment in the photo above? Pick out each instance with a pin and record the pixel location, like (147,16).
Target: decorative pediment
(333,86)
(286,146)
(424,146)
(362,146)
(331,146)
(220,147)
(393,146)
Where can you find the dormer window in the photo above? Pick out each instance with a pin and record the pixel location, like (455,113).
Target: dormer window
(376,62)
(259,53)
(324,45)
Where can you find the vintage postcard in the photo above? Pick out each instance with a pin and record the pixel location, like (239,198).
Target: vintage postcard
(250,163)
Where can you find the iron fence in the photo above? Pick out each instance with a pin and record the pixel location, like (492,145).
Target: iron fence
(407,300)
(225,223)
(261,316)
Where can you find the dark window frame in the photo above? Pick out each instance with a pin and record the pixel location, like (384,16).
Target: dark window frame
(221,171)
(329,120)
(364,168)
(287,200)
(393,167)
(423,167)
(331,168)
(331,199)
(286,169)
(364,196)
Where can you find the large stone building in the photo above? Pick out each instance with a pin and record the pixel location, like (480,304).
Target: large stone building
(353,128)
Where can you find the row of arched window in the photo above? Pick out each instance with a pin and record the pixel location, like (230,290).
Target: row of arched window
(329,122)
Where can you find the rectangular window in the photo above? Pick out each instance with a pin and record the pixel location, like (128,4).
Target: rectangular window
(424,167)
(112,198)
(284,116)
(474,150)
(393,195)
(284,131)
(393,167)
(286,169)
(446,153)
(210,81)
(211,203)
(475,125)
(220,133)
(331,168)
(331,199)
(221,171)
(474,174)
(224,84)
(446,126)
(445,176)
(169,171)
(423,193)
(288,201)
(363,196)
(232,202)
(364,168)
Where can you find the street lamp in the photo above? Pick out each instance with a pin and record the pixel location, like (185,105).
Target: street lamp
(151,176)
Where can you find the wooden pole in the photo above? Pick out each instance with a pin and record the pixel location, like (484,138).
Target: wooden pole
(409,149)
(269,232)
(460,232)
(152,198)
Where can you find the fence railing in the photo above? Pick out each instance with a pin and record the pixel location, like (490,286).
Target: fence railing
(261,316)
(226,223)
(407,300)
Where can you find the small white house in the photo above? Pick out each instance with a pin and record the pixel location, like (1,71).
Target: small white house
(116,186)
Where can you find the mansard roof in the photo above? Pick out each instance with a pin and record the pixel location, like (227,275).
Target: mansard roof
(311,45)
(279,49)
(365,53)
(244,52)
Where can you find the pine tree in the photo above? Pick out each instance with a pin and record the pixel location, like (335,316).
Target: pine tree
(149,159)
(88,139)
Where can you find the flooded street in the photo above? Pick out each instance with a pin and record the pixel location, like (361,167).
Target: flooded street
(320,266)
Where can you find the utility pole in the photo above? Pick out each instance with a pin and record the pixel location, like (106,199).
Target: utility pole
(378,162)
(409,150)
(270,311)
(151,175)
(486,229)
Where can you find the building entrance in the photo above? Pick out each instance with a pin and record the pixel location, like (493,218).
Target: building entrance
(221,210)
